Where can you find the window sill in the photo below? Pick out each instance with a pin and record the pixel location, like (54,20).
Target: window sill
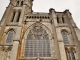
(35,58)
(6,44)
(69,45)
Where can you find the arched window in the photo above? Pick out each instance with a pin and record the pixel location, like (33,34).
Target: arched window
(37,43)
(65,37)
(10,36)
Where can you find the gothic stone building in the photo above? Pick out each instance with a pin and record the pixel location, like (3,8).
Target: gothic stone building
(28,35)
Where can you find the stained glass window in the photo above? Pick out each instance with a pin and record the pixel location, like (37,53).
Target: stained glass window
(65,37)
(37,43)
(10,36)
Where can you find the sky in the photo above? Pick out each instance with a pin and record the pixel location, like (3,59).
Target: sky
(44,5)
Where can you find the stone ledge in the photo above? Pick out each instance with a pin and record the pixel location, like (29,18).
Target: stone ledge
(43,58)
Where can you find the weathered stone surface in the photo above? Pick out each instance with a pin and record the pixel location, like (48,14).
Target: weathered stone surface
(52,25)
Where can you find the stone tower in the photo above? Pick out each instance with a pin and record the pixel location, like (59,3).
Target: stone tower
(28,35)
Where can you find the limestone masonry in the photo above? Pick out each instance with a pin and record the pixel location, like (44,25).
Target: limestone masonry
(28,35)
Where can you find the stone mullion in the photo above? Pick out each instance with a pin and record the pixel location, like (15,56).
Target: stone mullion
(64,17)
(12,14)
(60,19)
(75,54)
(16,16)
(8,55)
(22,15)
(19,3)
(69,56)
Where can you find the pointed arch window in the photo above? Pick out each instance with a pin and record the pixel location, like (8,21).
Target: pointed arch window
(65,37)
(10,36)
(37,43)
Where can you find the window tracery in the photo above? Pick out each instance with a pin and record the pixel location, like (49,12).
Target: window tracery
(37,43)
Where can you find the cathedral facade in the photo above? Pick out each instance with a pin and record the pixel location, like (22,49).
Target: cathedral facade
(28,35)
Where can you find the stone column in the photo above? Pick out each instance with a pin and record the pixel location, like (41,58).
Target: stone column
(16,16)
(60,19)
(19,3)
(17,36)
(58,37)
(14,50)
(72,26)
(22,15)
(11,17)
(61,44)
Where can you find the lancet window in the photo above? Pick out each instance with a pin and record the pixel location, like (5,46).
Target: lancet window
(65,37)
(10,36)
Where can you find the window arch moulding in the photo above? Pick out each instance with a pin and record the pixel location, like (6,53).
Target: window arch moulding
(36,25)
(10,33)
(65,37)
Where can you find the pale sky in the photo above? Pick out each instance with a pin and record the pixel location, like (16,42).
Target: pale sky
(45,5)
